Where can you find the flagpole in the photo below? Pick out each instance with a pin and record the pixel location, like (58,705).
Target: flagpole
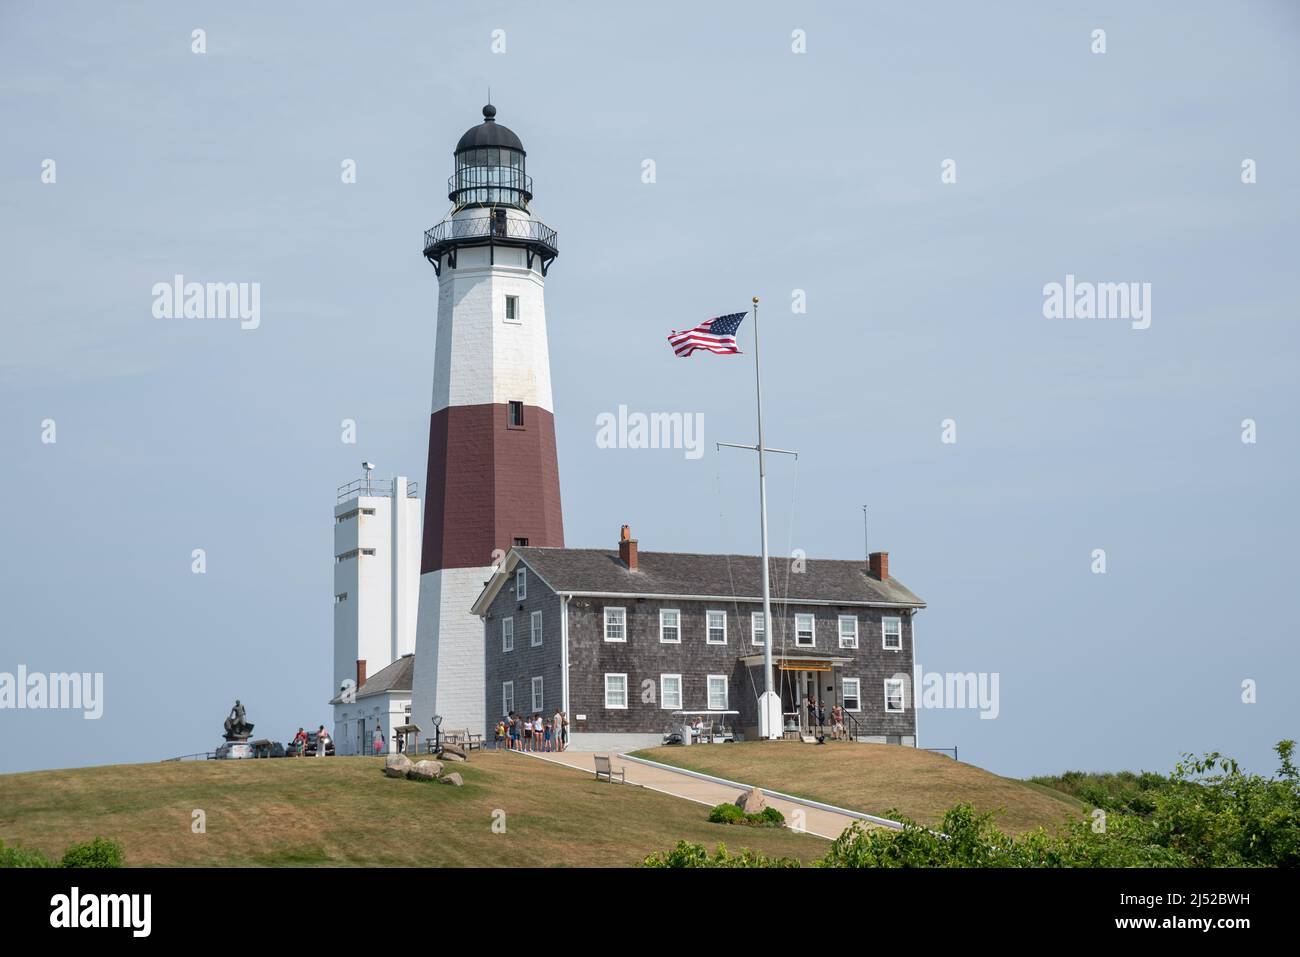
(765,715)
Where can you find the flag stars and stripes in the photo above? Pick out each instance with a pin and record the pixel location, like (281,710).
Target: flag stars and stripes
(717,335)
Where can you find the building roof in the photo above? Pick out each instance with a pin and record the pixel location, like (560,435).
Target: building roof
(392,679)
(597,571)
(489,133)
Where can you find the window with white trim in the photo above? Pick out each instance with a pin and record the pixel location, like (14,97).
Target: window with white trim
(891,630)
(512,309)
(670,626)
(805,631)
(616,624)
(848,631)
(716,626)
(521,584)
(755,627)
(717,692)
(507,697)
(894,695)
(537,695)
(670,692)
(616,691)
(508,634)
(851,692)
(535,630)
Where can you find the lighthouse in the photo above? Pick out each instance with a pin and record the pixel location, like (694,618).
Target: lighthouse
(493,478)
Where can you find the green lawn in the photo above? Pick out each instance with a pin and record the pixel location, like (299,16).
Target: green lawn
(876,778)
(343,811)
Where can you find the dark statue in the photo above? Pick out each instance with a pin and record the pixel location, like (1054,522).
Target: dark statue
(237,729)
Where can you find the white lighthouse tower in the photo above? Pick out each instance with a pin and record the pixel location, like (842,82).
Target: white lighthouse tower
(493,478)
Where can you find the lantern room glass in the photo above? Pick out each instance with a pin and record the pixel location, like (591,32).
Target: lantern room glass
(490,176)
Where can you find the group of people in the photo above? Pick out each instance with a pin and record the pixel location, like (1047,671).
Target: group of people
(519,732)
(302,739)
(817,718)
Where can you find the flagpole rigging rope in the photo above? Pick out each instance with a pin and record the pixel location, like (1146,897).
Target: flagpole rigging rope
(784,601)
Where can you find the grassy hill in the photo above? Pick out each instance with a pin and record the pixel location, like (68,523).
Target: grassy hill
(875,778)
(343,811)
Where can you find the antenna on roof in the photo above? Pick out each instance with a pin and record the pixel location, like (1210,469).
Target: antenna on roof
(866,542)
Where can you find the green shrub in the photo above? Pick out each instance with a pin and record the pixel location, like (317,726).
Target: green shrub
(686,854)
(1118,791)
(726,814)
(100,852)
(732,814)
(1208,813)
(20,857)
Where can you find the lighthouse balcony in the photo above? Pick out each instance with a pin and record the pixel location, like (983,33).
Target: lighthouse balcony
(496,229)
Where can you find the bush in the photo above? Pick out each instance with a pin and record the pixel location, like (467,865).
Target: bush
(100,852)
(19,857)
(732,814)
(1207,814)
(726,814)
(686,854)
(1120,791)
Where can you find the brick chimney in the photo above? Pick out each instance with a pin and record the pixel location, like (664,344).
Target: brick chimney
(627,548)
(879,564)
(361,672)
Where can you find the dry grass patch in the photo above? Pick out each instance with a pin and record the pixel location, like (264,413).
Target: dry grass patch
(343,811)
(875,778)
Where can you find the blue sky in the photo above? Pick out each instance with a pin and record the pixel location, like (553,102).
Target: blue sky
(776,171)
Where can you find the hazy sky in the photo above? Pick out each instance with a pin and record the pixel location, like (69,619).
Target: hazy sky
(776,171)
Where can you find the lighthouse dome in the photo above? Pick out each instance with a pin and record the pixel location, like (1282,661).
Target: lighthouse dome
(490,167)
(489,133)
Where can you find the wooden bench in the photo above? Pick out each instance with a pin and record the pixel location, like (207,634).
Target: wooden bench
(464,739)
(604,767)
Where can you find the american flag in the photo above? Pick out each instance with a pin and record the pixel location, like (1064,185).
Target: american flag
(716,335)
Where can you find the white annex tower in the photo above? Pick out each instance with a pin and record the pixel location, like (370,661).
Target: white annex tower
(493,478)
(376,582)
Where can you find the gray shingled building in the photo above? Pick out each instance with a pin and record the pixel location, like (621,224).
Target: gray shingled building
(631,644)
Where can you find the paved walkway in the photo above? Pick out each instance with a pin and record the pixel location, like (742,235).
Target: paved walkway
(822,823)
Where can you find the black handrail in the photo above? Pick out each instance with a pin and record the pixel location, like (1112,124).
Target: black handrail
(490,227)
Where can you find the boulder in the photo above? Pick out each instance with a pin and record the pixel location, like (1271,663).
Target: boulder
(452,778)
(452,756)
(751,801)
(424,770)
(454,749)
(396,765)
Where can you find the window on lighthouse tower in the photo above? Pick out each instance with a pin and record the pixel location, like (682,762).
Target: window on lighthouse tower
(516,415)
(512,309)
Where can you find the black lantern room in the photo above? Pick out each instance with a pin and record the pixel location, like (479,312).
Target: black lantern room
(489,183)
(490,167)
